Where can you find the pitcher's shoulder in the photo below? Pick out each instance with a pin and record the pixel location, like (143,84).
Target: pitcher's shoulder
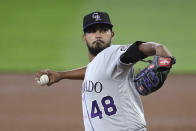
(113,48)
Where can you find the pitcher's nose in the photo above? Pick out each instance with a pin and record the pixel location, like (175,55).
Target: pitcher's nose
(98,34)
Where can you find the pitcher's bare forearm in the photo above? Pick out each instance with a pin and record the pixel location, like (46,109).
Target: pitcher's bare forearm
(163,51)
(141,50)
(55,76)
(76,74)
(152,48)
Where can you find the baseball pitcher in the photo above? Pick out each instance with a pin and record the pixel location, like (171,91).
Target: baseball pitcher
(111,91)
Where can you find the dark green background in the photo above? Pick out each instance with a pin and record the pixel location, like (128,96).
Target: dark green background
(40,34)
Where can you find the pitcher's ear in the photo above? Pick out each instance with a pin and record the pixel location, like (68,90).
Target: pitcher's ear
(84,38)
(112,35)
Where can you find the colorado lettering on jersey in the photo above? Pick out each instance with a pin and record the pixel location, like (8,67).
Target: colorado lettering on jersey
(90,86)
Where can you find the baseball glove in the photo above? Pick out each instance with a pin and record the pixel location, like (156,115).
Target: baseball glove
(154,75)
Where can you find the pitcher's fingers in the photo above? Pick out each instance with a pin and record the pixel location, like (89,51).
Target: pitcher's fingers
(36,78)
(40,73)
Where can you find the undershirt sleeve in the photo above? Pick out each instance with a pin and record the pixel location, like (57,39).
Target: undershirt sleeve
(133,54)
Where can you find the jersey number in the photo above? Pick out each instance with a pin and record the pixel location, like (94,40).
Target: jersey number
(108,105)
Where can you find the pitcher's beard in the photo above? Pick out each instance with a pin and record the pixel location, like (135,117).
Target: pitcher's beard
(98,48)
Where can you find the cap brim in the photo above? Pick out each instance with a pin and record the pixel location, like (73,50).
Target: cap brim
(97,23)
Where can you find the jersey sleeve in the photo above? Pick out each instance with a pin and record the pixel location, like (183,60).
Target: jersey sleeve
(115,68)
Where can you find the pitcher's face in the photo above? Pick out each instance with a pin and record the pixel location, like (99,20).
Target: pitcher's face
(98,37)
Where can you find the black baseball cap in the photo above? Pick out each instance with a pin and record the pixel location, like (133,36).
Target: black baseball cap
(96,18)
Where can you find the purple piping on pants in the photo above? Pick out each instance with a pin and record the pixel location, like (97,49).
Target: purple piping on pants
(87,112)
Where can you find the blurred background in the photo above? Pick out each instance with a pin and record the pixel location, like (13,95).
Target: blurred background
(39,34)
(47,34)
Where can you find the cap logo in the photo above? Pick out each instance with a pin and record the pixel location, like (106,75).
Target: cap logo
(96,16)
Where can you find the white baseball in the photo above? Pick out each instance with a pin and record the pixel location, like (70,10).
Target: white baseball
(44,79)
